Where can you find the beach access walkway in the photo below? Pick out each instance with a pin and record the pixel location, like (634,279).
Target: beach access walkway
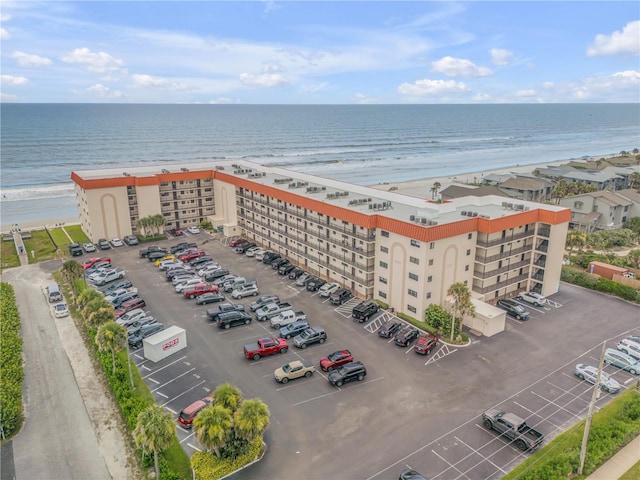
(18,240)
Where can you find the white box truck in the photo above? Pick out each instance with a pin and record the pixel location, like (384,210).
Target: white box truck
(165,343)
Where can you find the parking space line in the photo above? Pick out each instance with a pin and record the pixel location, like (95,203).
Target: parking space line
(154,381)
(145,367)
(174,379)
(476,451)
(186,391)
(560,407)
(171,410)
(188,437)
(338,390)
(162,394)
(629,380)
(445,461)
(168,365)
(288,386)
(524,408)
(195,448)
(183,429)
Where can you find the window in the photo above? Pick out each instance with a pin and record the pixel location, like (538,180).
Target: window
(384,234)
(414,260)
(578,205)
(470,236)
(384,265)
(468,252)
(430,278)
(432,245)
(413,276)
(384,249)
(466,268)
(411,309)
(413,293)
(415,243)
(382,280)
(428,295)
(431,262)
(381,294)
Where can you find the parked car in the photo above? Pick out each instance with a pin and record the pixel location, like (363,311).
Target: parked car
(130,317)
(197,290)
(279,262)
(335,359)
(188,284)
(293,370)
(145,252)
(130,240)
(244,247)
(533,298)
(629,347)
(302,279)
(340,296)
(122,297)
(238,241)
(285,269)
(259,255)
(246,290)
(117,285)
(183,246)
(426,343)
(182,277)
(136,340)
(411,474)
(168,256)
(264,300)
(389,329)
(128,306)
(231,319)
(252,251)
(315,285)
(365,310)
(622,360)
(406,336)
(327,289)
(293,329)
(295,273)
(590,374)
(193,230)
(87,264)
(89,247)
(135,326)
(116,242)
(75,250)
(348,372)
(61,310)
(309,337)
(187,414)
(176,232)
(211,297)
(212,313)
(514,309)
(103,244)
(270,257)
(215,274)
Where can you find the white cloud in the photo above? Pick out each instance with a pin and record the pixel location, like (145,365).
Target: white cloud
(421,88)
(99,62)
(7,97)
(29,60)
(627,41)
(362,99)
(141,80)
(13,81)
(500,56)
(459,67)
(105,92)
(269,78)
(5,17)
(4,34)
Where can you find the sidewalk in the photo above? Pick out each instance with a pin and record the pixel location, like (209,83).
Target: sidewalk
(619,464)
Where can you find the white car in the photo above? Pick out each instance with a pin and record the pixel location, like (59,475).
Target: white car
(252,251)
(116,242)
(61,310)
(245,291)
(187,284)
(533,298)
(89,247)
(212,267)
(181,278)
(194,230)
(259,255)
(327,289)
(590,374)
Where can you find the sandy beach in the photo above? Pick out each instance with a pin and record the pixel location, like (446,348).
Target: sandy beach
(420,188)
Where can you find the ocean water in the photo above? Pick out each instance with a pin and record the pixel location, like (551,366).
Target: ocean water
(41,144)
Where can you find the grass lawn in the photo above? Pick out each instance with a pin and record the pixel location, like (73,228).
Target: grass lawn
(632,474)
(41,244)
(75,232)
(60,238)
(9,255)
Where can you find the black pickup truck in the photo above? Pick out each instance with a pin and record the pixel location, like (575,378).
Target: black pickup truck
(145,252)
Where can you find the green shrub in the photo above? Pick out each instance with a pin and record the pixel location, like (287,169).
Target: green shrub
(207,466)
(595,282)
(11,371)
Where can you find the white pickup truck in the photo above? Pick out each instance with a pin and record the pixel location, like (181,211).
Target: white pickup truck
(287,317)
(109,276)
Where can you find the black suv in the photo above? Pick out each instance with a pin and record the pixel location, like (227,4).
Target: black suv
(183,246)
(295,273)
(285,269)
(364,310)
(270,257)
(279,262)
(213,314)
(347,373)
(75,249)
(340,296)
(389,329)
(406,337)
(315,284)
(219,273)
(231,319)
(513,308)
(103,244)
(144,332)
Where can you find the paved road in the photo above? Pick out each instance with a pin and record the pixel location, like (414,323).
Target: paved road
(58,439)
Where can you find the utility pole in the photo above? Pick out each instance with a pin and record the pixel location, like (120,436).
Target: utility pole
(592,405)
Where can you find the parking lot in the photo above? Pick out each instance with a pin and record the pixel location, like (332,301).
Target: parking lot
(420,411)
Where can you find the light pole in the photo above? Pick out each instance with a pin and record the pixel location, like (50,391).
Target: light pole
(129,364)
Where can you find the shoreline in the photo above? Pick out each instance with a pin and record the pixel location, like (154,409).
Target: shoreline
(416,188)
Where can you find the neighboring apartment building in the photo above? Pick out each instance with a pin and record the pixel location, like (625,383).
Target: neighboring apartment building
(602,210)
(403,250)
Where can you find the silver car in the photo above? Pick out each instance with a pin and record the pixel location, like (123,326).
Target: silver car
(590,374)
(622,360)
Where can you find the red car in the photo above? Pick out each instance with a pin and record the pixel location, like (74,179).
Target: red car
(200,289)
(426,343)
(185,257)
(237,242)
(186,415)
(335,360)
(93,260)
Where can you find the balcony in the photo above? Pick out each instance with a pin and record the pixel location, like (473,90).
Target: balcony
(497,286)
(498,271)
(482,258)
(502,240)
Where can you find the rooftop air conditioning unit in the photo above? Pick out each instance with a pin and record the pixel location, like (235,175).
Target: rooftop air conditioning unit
(371,206)
(412,218)
(126,174)
(474,214)
(423,220)
(184,169)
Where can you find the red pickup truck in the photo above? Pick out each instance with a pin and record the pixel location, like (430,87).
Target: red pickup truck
(200,289)
(185,257)
(264,347)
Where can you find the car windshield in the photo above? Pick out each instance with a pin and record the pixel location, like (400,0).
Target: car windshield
(518,308)
(334,356)
(286,368)
(306,334)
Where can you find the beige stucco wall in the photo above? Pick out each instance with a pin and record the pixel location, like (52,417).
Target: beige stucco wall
(555,253)
(109,209)
(148,201)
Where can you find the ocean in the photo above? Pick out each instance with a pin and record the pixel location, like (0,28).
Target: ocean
(41,144)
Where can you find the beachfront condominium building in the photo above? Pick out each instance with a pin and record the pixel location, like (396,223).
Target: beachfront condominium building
(402,250)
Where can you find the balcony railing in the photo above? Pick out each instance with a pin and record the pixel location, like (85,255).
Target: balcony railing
(498,271)
(481,258)
(501,240)
(498,286)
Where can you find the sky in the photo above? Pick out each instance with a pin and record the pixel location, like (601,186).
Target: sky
(324,52)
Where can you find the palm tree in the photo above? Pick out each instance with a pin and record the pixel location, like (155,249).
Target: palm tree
(576,238)
(143,224)
(434,189)
(251,419)
(227,395)
(634,257)
(94,306)
(560,190)
(88,295)
(460,297)
(101,316)
(111,337)
(158,221)
(71,272)
(634,180)
(213,427)
(154,432)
